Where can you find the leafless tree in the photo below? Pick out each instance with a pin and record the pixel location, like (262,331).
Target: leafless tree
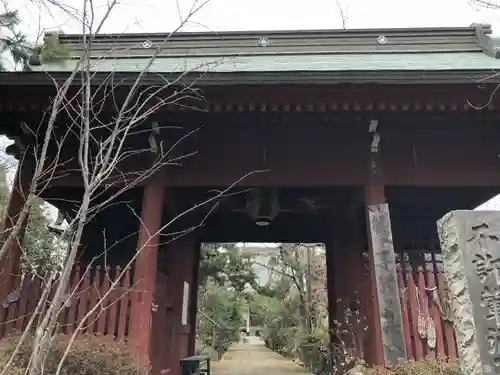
(488,4)
(102,148)
(343,13)
(305,266)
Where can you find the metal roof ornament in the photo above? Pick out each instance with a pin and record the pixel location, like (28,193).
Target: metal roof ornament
(382,40)
(263,42)
(147,44)
(490,45)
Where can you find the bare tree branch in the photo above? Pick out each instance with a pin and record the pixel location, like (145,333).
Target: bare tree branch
(343,14)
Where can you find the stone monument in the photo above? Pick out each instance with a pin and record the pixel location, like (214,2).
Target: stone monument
(470,243)
(386,282)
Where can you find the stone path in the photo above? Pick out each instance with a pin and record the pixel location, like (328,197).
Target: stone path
(254,358)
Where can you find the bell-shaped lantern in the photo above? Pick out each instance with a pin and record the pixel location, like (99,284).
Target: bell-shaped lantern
(263,205)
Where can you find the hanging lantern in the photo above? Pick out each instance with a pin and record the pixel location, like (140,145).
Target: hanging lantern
(263,205)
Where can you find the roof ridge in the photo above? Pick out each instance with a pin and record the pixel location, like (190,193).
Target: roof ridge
(467,30)
(475,38)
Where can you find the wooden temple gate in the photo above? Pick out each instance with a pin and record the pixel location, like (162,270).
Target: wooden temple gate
(332,146)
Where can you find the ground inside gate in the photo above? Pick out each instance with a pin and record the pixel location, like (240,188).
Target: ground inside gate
(254,358)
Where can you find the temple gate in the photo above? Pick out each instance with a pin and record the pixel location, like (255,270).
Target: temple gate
(355,143)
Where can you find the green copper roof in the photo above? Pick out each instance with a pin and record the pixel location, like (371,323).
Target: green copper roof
(313,62)
(334,55)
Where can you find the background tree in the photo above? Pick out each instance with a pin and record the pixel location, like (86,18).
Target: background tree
(14,45)
(42,250)
(227,266)
(219,319)
(12,42)
(293,306)
(225,277)
(489,4)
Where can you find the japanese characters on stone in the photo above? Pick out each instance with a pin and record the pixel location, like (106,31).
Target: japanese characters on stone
(487,264)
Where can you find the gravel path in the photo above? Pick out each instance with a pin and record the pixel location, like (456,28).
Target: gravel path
(254,358)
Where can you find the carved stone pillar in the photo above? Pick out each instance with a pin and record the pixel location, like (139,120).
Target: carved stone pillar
(145,270)
(386,304)
(470,243)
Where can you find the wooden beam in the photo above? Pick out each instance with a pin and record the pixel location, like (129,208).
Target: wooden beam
(285,228)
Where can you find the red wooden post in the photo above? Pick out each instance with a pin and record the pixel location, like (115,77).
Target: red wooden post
(103,310)
(93,299)
(331,288)
(424,303)
(146,266)
(33,296)
(418,348)
(113,301)
(434,312)
(10,264)
(375,195)
(74,300)
(449,332)
(406,315)
(123,325)
(181,257)
(193,303)
(84,297)
(22,311)
(352,276)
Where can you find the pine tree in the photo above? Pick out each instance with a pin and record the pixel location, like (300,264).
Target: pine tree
(14,45)
(12,42)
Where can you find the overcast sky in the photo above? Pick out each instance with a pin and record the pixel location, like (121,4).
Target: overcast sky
(218,15)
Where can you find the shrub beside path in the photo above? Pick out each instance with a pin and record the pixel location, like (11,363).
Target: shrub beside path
(254,358)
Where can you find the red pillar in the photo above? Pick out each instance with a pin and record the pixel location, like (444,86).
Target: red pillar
(331,288)
(374,194)
(10,264)
(193,303)
(353,279)
(145,270)
(182,256)
(344,282)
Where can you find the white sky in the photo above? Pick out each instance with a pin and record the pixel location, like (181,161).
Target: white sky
(226,15)
(218,15)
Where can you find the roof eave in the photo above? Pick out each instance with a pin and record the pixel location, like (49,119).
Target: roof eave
(268,78)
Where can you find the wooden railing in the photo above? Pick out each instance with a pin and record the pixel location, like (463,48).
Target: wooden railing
(87,287)
(426,317)
(423,317)
(426,320)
